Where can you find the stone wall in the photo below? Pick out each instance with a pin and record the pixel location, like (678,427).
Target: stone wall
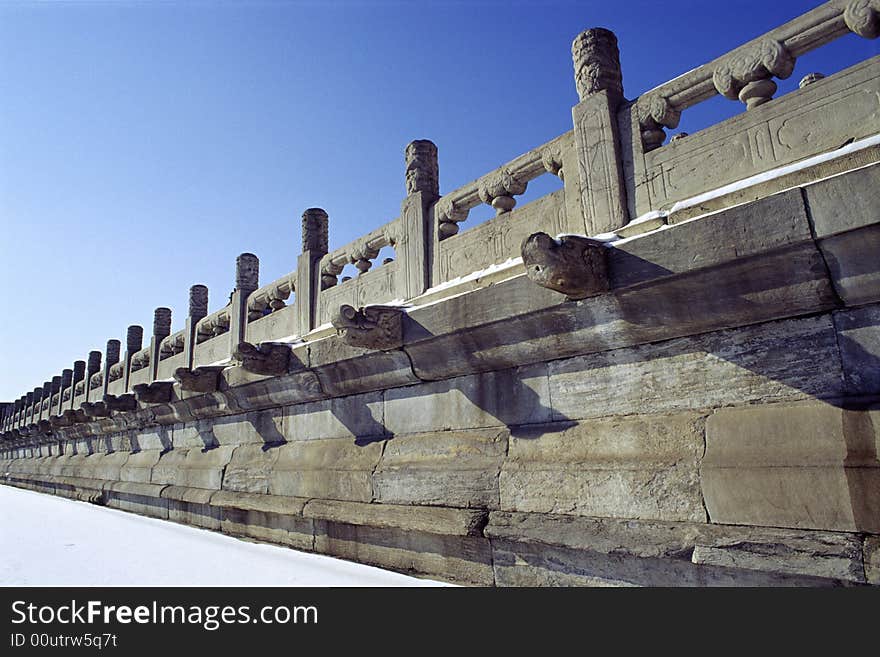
(692,400)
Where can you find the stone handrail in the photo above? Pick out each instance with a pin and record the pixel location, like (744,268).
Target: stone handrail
(499,187)
(746,72)
(217,323)
(360,252)
(172,345)
(272,296)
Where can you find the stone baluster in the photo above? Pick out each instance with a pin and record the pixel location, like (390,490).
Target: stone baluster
(134,340)
(418,241)
(66,382)
(161,330)
(46,402)
(56,390)
(79,373)
(247,280)
(198,309)
(31,404)
(112,357)
(598,192)
(310,280)
(93,367)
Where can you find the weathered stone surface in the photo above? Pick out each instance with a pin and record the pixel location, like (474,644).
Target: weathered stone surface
(448,468)
(811,465)
(136,497)
(191,506)
(256,427)
(158,438)
(872,559)
(249,469)
(355,416)
(845,202)
(858,336)
(346,370)
(330,469)
(852,262)
(507,397)
(736,366)
(627,468)
(537,549)
(436,520)
(139,466)
(265,517)
(193,468)
(460,558)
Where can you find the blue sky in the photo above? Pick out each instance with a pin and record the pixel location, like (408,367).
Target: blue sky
(143,145)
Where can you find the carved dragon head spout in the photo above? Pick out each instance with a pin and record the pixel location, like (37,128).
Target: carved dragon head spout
(573,265)
(371,327)
(267,358)
(199,379)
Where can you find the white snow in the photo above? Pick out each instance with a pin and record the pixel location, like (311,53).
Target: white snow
(491,269)
(52,541)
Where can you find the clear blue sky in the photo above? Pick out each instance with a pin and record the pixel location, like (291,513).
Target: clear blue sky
(143,145)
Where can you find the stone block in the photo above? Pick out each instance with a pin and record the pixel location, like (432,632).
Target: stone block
(538,549)
(158,438)
(853,264)
(871,552)
(193,468)
(845,202)
(811,465)
(347,370)
(334,469)
(466,559)
(139,466)
(448,468)
(191,506)
(784,360)
(631,467)
(437,520)
(265,517)
(136,497)
(249,469)
(490,399)
(256,427)
(356,416)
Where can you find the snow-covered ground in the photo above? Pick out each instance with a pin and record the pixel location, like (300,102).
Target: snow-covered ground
(52,541)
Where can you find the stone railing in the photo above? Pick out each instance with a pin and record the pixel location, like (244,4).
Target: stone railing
(768,135)
(619,178)
(375,282)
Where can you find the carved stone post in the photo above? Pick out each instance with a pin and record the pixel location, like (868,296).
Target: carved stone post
(66,381)
(417,241)
(56,390)
(31,402)
(134,341)
(161,330)
(93,367)
(113,347)
(46,400)
(315,237)
(247,280)
(79,373)
(599,185)
(198,309)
